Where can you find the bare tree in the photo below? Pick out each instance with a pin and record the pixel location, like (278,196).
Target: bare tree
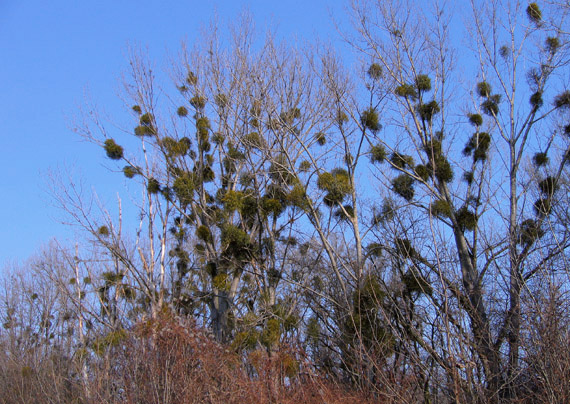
(472,242)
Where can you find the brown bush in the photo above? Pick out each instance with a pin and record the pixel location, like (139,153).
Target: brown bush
(32,378)
(172,361)
(545,377)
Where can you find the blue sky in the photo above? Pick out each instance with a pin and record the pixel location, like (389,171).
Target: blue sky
(52,53)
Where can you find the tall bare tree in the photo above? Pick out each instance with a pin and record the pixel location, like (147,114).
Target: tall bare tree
(477,171)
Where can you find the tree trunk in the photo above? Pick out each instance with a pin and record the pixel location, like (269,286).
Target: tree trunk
(219,312)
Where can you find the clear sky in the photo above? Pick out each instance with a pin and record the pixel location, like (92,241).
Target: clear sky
(52,52)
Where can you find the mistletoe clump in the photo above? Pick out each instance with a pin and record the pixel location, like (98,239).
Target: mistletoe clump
(422,172)
(182,111)
(253,140)
(130,171)
(153,186)
(183,187)
(475,119)
(103,231)
(203,233)
(466,219)
(484,89)
(221,100)
(341,118)
(113,150)
(552,44)
(297,197)
(375,71)
(146,127)
(403,185)
(442,168)
(491,105)
(406,91)
(478,146)
(540,159)
(427,111)
(280,173)
(562,100)
(336,184)
(536,100)
(370,120)
(346,213)
(416,283)
(377,154)
(191,78)
(404,248)
(198,102)
(529,232)
(542,206)
(402,161)
(321,138)
(548,186)
(175,148)
(304,166)
(441,208)
(235,241)
(272,206)
(423,83)
(232,200)
(533,13)
(468,177)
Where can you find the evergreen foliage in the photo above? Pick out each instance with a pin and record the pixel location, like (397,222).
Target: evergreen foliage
(427,111)
(475,119)
(406,91)
(534,13)
(441,208)
(562,100)
(423,172)
(377,154)
(130,171)
(552,44)
(337,185)
(375,71)
(540,159)
(484,89)
(370,120)
(491,105)
(183,187)
(548,186)
(153,186)
(402,161)
(466,219)
(182,112)
(536,100)
(423,83)
(478,146)
(113,150)
(403,185)
(530,231)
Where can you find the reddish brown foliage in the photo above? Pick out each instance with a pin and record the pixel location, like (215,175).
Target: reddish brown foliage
(172,361)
